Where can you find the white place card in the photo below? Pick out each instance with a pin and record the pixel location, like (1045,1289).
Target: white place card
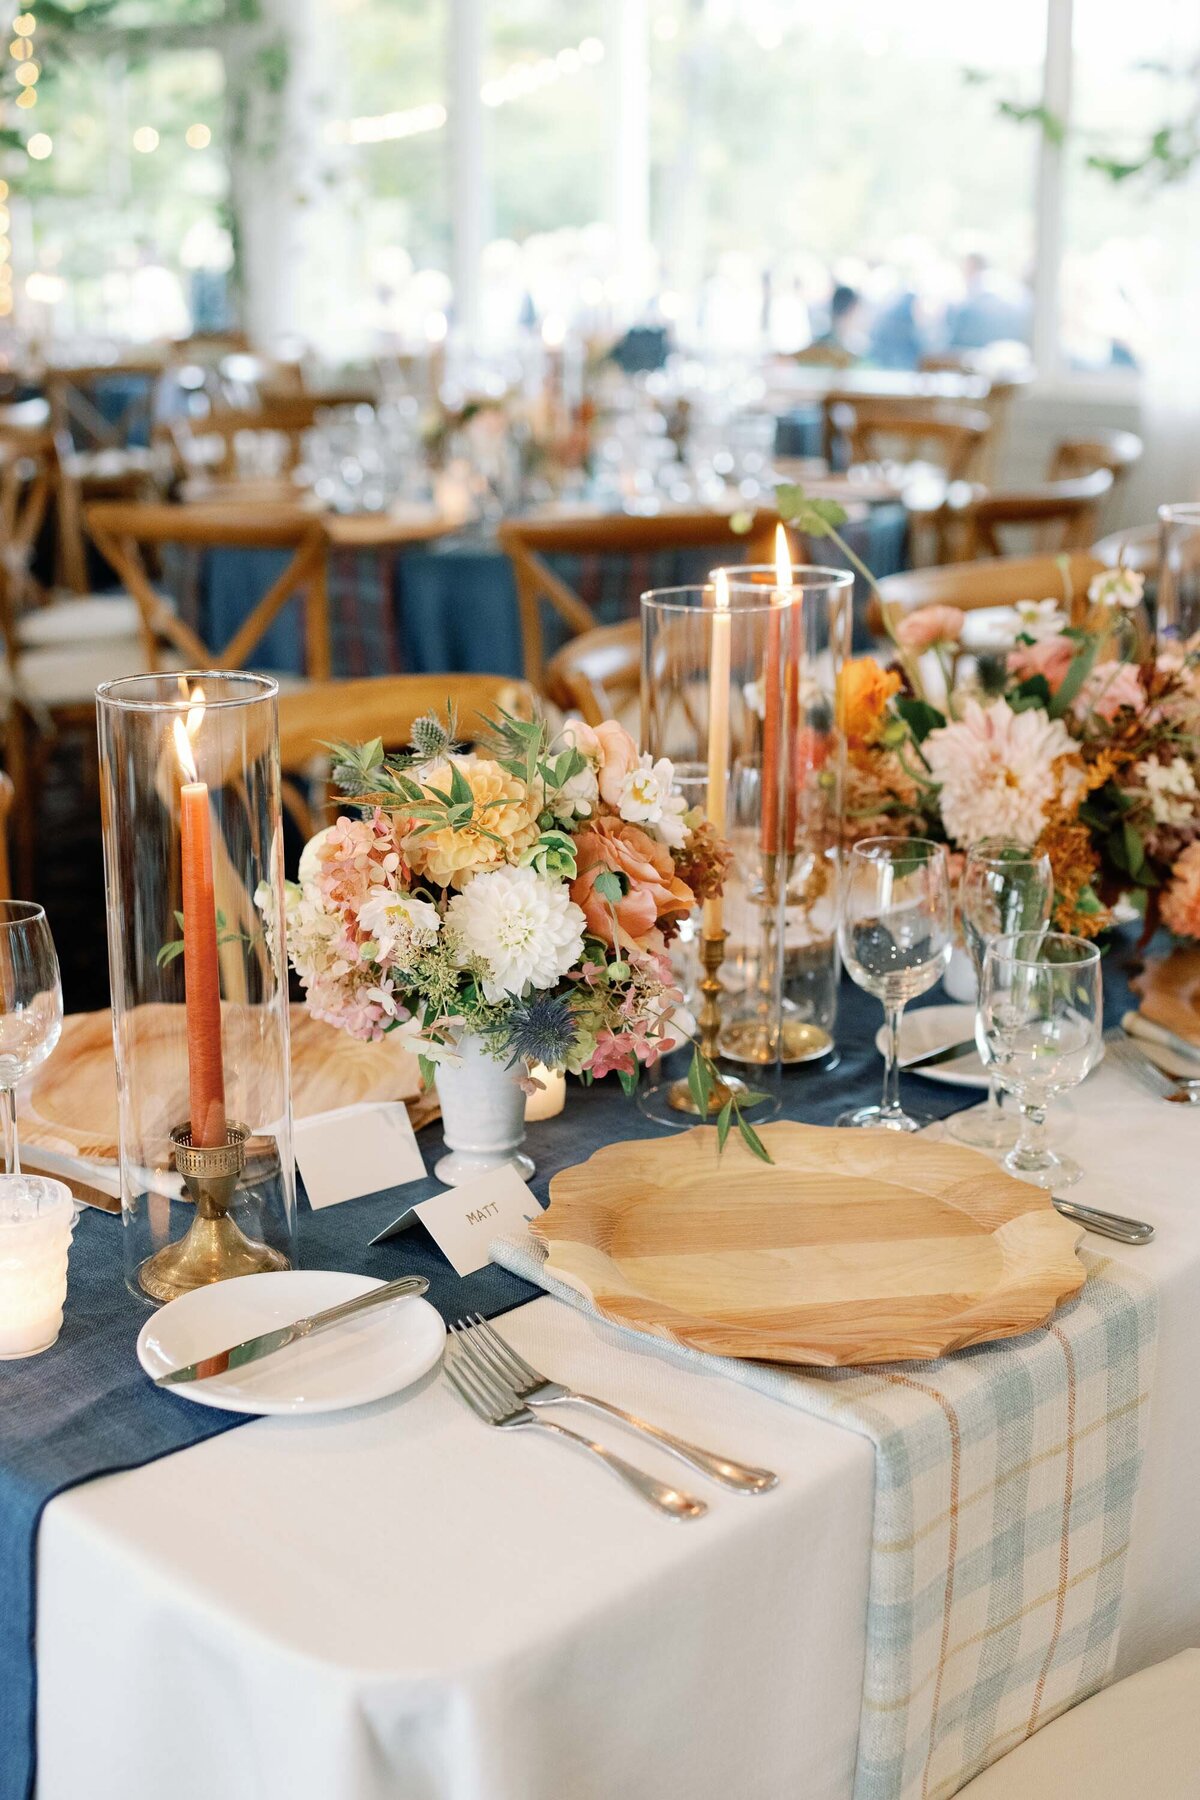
(462,1221)
(356,1150)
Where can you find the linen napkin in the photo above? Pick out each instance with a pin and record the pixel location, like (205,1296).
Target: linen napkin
(1005,1478)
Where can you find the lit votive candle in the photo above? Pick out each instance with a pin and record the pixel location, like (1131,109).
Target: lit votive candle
(550,1098)
(37,1216)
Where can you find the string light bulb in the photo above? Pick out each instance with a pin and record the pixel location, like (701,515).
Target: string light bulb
(40,146)
(145,139)
(197,137)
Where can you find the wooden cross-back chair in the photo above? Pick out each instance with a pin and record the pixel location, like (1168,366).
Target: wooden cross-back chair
(1115,450)
(1056,515)
(122,533)
(74,396)
(874,430)
(285,416)
(530,542)
(599,674)
(378,706)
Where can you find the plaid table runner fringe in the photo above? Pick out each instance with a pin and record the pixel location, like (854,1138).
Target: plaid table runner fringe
(1005,1479)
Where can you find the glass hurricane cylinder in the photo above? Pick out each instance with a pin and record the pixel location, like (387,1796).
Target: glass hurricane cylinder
(193,860)
(1179,576)
(714,675)
(819,625)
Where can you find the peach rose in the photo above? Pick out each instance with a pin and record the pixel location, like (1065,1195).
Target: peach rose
(653,891)
(863,691)
(1051,657)
(618,756)
(930,625)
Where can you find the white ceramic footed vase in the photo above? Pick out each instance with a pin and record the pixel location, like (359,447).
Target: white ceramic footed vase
(483,1115)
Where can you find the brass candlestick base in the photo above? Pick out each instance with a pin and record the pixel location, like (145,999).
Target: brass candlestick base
(215,1247)
(679,1094)
(799,1042)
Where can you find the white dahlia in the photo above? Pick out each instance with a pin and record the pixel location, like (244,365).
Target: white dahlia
(527,931)
(1001,771)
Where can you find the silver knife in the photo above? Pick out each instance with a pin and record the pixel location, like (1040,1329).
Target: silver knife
(268,1342)
(947,1053)
(1106,1224)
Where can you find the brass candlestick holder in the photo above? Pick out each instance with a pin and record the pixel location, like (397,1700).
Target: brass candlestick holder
(679,1094)
(214,1248)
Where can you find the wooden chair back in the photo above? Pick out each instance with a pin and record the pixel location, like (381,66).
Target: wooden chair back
(123,532)
(378,706)
(1060,515)
(28,480)
(1117,451)
(598,674)
(824,356)
(74,396)
(971,586)
(283,416)
(878,430)
(530,542)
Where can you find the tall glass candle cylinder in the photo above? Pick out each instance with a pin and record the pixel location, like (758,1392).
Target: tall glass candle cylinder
(814,642)
(1179,576)
(711,679)
(193,856)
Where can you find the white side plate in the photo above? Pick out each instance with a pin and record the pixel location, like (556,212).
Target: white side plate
(927,1028)
(362,1360)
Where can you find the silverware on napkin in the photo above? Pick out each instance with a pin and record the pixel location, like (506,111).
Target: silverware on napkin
(268,1342)
(491,1399)
(1130,1057)
(1135,1026)
(946,1053)
(538,1390)
(1105,1224)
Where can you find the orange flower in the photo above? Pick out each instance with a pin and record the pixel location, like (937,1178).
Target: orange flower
(863,691)
(652,889)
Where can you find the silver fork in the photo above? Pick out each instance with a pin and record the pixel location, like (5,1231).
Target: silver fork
(536,1389)
(494,1402)
(1128,1056)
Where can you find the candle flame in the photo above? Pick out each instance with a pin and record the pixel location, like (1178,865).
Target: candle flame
(185,734)
(783,558)
(183,750)
(721,590)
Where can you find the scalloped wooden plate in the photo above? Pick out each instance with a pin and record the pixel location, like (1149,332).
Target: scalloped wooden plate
(854,1247)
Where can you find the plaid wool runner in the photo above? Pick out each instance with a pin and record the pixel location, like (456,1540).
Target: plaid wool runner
(1005,1479)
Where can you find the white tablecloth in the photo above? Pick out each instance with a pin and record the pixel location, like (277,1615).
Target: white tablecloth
(397,1604)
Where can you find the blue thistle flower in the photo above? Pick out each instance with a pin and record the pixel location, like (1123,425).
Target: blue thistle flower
(540,1029)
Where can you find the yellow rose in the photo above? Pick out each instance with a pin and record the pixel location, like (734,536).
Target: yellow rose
(504,809)
(863,691)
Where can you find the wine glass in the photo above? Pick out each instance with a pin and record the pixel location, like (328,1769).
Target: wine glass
(895,937)
(1005,888)
(31,1007)
(1041,1015)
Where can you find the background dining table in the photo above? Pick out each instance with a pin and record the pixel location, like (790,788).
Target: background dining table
(397,1604)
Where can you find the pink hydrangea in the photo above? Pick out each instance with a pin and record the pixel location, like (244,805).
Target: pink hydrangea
(354,860)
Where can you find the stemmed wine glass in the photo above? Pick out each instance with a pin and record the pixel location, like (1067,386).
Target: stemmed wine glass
(1005,888)
(1041,1016)
(895,939)
(31,1007)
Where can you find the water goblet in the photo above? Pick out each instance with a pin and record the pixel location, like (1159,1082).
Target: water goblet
(895,939)
(1005,888)
(1041,1019)
(31,1008)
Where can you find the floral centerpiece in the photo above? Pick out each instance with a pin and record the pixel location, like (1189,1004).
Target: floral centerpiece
(1081,739)
(521,900)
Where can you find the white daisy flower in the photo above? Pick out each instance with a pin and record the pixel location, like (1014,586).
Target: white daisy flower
(647,797)
(526,931)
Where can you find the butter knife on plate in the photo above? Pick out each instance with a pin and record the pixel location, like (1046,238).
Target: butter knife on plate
(266,1343)
(928,1059)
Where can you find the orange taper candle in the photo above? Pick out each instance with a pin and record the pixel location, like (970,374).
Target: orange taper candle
(201,970)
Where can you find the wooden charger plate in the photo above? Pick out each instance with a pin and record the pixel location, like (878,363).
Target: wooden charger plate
(69,1106)
(853,1247)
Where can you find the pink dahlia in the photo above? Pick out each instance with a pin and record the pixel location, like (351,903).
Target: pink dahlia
(1001,771)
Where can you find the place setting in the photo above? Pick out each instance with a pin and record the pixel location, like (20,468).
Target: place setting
(599,904)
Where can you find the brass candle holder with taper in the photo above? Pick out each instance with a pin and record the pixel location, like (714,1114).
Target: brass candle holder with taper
(680,1094)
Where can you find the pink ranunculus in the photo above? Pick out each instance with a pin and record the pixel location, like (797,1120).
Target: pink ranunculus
(580,736)
(618,757)
(930,625)
(1109,687)
(1051,658)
